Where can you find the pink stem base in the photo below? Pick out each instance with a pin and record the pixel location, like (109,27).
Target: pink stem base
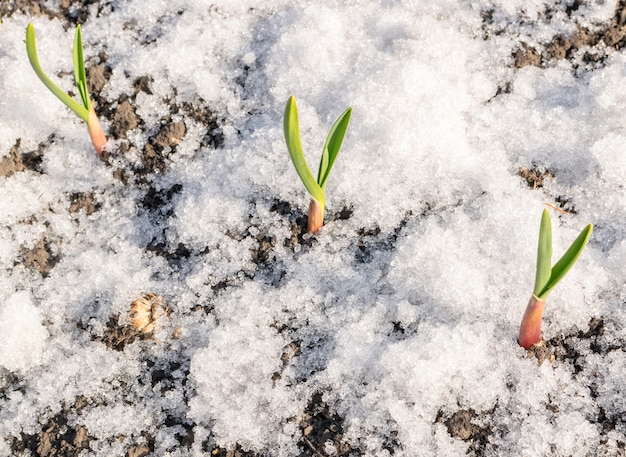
(95,132)
(530,329)
(316,217)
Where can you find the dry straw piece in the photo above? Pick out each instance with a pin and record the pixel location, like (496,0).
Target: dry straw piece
(145,311)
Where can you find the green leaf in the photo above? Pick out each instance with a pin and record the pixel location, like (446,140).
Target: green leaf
(31,50)
(324,160)
(332,146)
(568,260)
(292,138)
(544,253)
(80,77)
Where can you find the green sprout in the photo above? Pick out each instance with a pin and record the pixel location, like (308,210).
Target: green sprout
(315,187)
(547,277)
(84,110)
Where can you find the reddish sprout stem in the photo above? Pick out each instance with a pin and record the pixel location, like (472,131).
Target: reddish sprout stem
(95,131)
(316,217)
(530,329)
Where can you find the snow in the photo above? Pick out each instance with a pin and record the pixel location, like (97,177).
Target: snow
(22,333)
(406,311)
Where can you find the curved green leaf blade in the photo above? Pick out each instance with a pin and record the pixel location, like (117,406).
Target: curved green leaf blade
(79,69)
(323,167)
(568,260)
(31,50)
(332,146)
(292,138)
(544,254)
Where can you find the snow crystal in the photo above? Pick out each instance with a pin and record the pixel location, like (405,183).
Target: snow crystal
(22,333)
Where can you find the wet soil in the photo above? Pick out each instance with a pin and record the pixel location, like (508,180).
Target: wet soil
(40,257)
(57,437)
(17,161)
(535,176)
(583,48)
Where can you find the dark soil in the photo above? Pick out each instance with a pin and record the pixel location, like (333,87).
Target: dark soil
(464,425)
(478,427)
(591,43)
(117,335)
(27,7)
(564,349)
(57,438)
(124,118)
(535,176)
(18,161)
(160,146)
(40,257)
(320,426)
(369,241)
(83,202)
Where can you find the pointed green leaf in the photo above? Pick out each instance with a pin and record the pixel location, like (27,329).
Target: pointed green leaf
(568,260)
(292,138)
(31,50)
(323,166)
(79,69)
(332,146)
(544,253)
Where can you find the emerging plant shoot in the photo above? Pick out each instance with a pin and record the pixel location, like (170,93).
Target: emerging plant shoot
(85,110)
(315,187)
(547,277)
